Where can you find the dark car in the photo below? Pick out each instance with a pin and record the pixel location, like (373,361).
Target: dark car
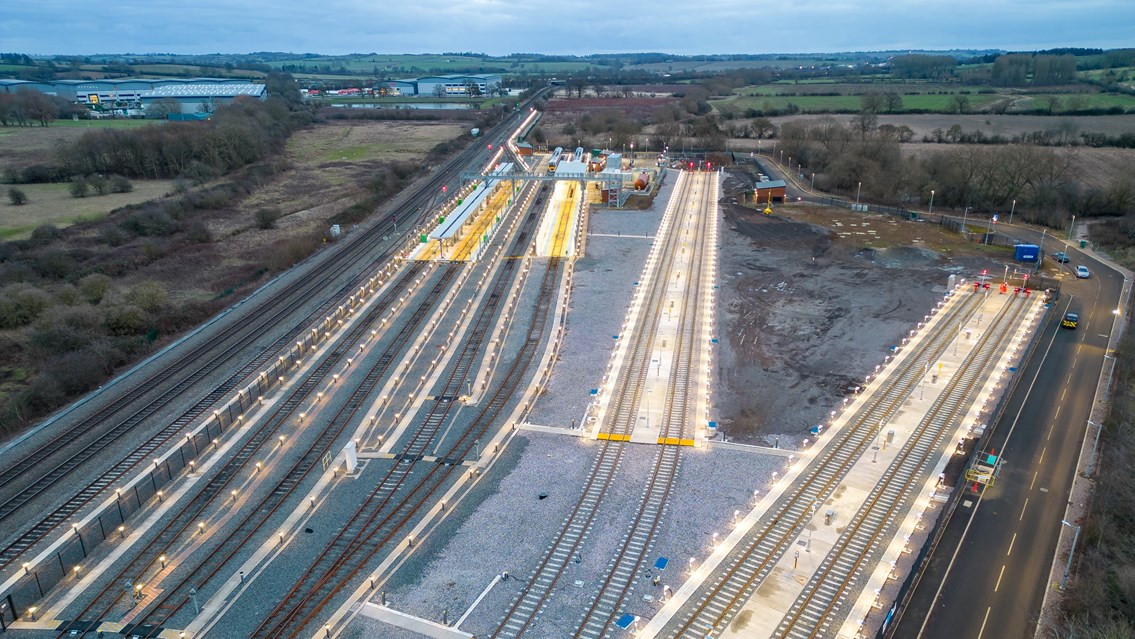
(1070,320)
(1060,257)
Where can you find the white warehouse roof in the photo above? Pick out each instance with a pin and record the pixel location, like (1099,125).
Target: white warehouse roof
(206,91)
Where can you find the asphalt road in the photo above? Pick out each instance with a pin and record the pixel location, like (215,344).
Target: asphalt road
(989,575)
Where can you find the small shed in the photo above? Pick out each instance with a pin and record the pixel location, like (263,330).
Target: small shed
(769,190)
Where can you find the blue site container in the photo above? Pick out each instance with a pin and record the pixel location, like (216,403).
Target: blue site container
(1027,252)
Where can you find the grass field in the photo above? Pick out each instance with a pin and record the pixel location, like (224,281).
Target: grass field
(840,103)
(53,204)
(192,70)
(902,88)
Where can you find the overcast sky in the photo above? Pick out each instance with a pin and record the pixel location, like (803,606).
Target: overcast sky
(558,27)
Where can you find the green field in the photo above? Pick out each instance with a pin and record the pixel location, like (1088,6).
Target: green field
(53,204)
(191,70)
(857,89)
(841,103)
(1079,101)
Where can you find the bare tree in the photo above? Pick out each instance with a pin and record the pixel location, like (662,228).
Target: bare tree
(37,106)
(894,101)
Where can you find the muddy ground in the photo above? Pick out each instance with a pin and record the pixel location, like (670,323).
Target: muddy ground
(811,300)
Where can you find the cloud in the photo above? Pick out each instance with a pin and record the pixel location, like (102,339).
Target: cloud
(581,27)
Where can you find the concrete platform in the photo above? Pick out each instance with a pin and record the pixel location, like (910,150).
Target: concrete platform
(647,427)
(559,224)
(772,600)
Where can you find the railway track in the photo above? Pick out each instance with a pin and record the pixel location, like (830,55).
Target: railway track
(615,433)
(188,369)
(811,614)
(753,560)
(678,417)
(180,528)
(208,564)
(380,519)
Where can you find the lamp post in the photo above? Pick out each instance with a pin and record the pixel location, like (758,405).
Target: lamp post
(1014,208)
(965,215)
(858,190)
(1071,552)
(812,186)
(1070,227)
(931,212)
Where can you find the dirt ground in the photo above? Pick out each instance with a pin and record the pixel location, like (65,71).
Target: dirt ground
(811,300)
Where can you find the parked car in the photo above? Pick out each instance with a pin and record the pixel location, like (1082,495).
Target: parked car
(1082,272)
(1060,257)
(1070,320)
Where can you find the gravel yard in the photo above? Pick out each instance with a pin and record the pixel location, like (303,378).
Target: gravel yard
(604,283)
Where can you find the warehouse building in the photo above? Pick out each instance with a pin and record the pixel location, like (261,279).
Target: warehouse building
(200,98)
(127,96)
(456,85)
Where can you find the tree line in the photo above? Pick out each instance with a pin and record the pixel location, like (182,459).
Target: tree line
(845,155)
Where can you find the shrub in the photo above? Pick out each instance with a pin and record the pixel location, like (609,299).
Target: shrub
(46,233)
(54,264)
(112,236)
(94,287)
(127,320)
(148,295)
(79,186)
(119,184)
(20,304)
(197,232)
(100,184)
(266,217)
(17,196)
(150,222)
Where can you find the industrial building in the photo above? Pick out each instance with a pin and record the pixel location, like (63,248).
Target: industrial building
(769,191)
(201,98)
(130,96)
(447,85)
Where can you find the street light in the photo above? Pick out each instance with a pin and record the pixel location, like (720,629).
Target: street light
(1072,551)
(931,202)
(858,189)
(1014,208)
(965,215)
